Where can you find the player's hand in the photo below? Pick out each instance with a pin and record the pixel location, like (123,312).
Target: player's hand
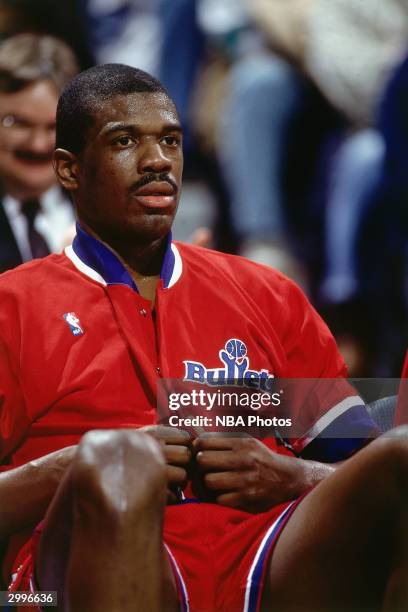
(176,445)
(243,473)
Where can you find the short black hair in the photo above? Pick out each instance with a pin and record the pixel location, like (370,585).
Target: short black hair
(80,100)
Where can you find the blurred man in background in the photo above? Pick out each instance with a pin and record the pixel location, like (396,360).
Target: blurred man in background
(34,214)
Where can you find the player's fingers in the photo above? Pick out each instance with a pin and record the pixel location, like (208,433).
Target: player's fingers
(223,481)
(177,455)
(168,435)
(176,475)
(219,460)
(216,441)
(232,500)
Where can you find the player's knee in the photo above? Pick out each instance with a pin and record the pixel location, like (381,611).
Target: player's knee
(116,471)
(391,453)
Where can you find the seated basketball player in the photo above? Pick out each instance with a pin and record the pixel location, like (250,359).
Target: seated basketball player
(84,338)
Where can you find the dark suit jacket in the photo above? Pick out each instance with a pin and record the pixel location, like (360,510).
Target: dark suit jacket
(9,254)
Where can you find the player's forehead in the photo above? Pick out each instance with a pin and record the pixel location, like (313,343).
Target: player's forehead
(145,111)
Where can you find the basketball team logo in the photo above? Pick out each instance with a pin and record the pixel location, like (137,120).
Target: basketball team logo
(73,323)
(236,349)
(235,370)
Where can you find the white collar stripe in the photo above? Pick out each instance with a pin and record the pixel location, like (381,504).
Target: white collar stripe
(178,266)
(82,267)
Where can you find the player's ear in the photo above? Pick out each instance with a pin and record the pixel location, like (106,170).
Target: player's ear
(66,168)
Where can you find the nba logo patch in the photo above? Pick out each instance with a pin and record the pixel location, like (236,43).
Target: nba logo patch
(73,323)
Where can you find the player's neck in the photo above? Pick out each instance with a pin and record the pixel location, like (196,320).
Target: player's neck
(146,280)
(142,261)
(144,266)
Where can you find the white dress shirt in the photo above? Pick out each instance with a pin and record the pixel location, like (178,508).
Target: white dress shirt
(53,221)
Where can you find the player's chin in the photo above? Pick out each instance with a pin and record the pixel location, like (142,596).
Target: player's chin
(152,226)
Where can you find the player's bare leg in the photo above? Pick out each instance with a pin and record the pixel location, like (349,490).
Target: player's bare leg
(346,545)
(101,547)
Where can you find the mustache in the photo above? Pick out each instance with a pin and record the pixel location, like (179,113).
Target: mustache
(154,178)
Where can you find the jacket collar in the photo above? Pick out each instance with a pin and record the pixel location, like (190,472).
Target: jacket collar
(98,262)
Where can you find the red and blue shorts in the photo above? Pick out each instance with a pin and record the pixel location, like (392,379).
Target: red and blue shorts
(219,555)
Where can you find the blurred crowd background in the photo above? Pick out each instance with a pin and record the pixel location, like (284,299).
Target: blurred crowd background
(296,139)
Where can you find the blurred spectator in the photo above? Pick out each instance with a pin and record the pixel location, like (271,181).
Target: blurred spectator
(262,96)
(124,31)
(34,214)
(355,176)
(354,49)
(181,55)
(349,49)
(383,246)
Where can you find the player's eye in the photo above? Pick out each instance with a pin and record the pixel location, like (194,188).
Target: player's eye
(124,141)
(171,140)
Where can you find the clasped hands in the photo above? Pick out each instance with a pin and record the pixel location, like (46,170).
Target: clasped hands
(240,472)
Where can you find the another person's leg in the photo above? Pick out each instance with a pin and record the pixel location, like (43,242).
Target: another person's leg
(181,52)
(101,546)
(355,175)
(264,95)
(346,545)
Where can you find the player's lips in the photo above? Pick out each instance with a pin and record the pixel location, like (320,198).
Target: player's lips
(156,195)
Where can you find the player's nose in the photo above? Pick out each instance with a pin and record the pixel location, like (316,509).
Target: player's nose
(153,159)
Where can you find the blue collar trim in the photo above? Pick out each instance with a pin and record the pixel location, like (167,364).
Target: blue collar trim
(94,254)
